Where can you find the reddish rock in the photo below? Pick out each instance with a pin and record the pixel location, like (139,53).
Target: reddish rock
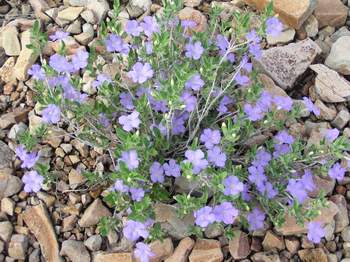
(207,250)
(272,241)
(292,244)
(239,245)
(182,251)
(342,217)
(161,250)
(312,255)
(334,16)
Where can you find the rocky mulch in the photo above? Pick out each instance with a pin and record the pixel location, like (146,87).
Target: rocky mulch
(311,57)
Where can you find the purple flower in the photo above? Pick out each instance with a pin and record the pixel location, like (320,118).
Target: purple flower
(195,82)
(254,113)
(150,25)
(120,186)
(283,102)
(59,63)
(266,188)
(80,60)
(256,219)
(283,137)
(143,252)
(245,64)
(149,47)
(100,80)
(130,158)
(281,149)
(158,105)
(311,107)
(37,72)
(157,172)
(194,50)
(59,35)
(264,102)
(307,180)
(225,212)
(257,175)
(273,26)
(188,23)
(140,73)
(189,100)
(196,158)
(69,92)
(136,193)
(178,126)
(337,172)
(255,50)
(262,158)
(232,186)
(172,168)
(28,159)
(332,134)
(222,42)
(217,157)
(252,36)
(133,28)
(32,181)
(51,114)
(210,137)
(131,121)
(242,80)
(225,101)
(315,232)
(133,230)
(204,216)
(126,100)
(297,190)
(115,43)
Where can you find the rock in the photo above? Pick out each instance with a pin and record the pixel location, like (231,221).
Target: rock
(189,13)
(10,41)
(342,217)
(239,245)
(34,256)
(339,57)
(285,37)
(342,119)
(343,31)
(330,86)
(326,113)
(167,217)
(69,223)
(285,64)
(38,222)
(109,257)
(89,17)
(16,131)
(292,244)
(292,13)
(138,7)
(290,227)
(93,243)
(311,255)
(213,230)
(7,206)
(18,246)
(311,26)
(70,13)
(39,7)
(271,241)
(93,214)
(6,72)
(75,179)
(206,250)
(161,250)
(326,184)
(182,251)
(265,257)
(78,2)
(18,115)
(74,28)
(6,230)
(345,234)
(100,8)
(9,184)
(192,3)
(75,251)
(6,156)
(346,249)
(331,12)
(26,59)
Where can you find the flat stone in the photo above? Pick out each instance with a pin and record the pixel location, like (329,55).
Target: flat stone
(99,7)
(18,246)
(6,156)
(6,230)
(339,57)
(285,64)
(239,245)
(161,250)
(331,13)
(182,251)
(9,184)
(16,116)
(75,251)
(285,37)
(109,257)
(265,257)
(39,223)
(6,71)
(342,119)
(292,13)
(272,241)
(342,217)
(70,13)
(330,87)
(93,243)
(188,13)
(10,41)
(326,113)
(206,250)
(93,214)
(311,255)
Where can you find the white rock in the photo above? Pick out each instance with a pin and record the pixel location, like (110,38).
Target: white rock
(284,37)
(7,206)
(311,26)
(339,57)
(6,230)
(10,41)
(70,13)
(17,130)
(99,7)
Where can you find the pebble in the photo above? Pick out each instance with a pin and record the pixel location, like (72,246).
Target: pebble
(162,249)
(339,57)
(6,230)
(75,251)
(182,251)
(316,254)
(311,26)
(7,206)
(285,37)
(99,7)
(272,241)
(108,257)
(93,214)
(16,131)
(70,13)
(239,246)
(10,41)
(136,8)
(334,16)
(206,250)
(9,184)
(93,243)
(18,246)
(342,119)
(342,218)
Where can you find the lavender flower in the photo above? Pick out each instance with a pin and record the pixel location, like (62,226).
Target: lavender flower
(232,186)
(100,80)
(140,73)
(51,114)
(143,252)
(172,168)
(28,159)
(133,28)
(225,212)
(256,219)
(255,50)
(337,172)
(59,35)
(150,26)
(273,26)
(225,101)
(253,37)
(210,138)
(120,186)
(194,51)
(223,44)
(80,60)
(204,216)
(131,121)
(157,172)
(307,180)
(130,158)
(283,137)
(242,80)
(37,72)
(315,232)
(32,181)
(189,100)
(283,102)
(262,158)
(254,113)
(188,23)
(115,43)
(126,100)
(311,107)
(133,230)
(149,47)
(267,189)
(195,82)
(59,63)
(137,194)
(69,92)
(332,134)
(196,158)
(217,157)
(281,149)
(297,190)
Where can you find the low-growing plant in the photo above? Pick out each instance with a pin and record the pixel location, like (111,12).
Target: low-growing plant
(181,108)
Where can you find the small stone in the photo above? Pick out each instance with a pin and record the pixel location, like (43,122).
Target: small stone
(182,251)
(343,31)
(339,57)
(292,244)
(67,148)
(93,214)
(332,258)
(206,250)
(272,241)
(285,37)
(214,230)
(9,184)
(331,13)
(345,234)
(6,230)
(192,3)
(342,217)
(100,8)
(74,28)
(329,231)
(69,223)
(189,13)
(138,7)
(109,257)
(342,119)
(78,2)
(34,256)
(310,255)
(75,179)
(265,257)
(70,13)
(239,245)
(86,36)
(88,16)
(326,184)
(48,199)
(75,251)
(93,243)
(16,131)
(311,26)
(161,249)
(16,116)
(7,206)
(346,249)
(39,7)
(326,113)
(18,246)
(6,156)
(7,76)
(10,41)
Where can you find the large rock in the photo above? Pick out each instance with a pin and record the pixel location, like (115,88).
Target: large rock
(342,218)
(70,13)
(10,42)
(339,57)
(310,255)
(100,8)
(293,13)
(286,64)
(75,251)
(206,250)
(39,223)
(330,86)
(182,251)
(9,184)
(239,245)
(109,257)
(290,226)
(93,214)
(331,12)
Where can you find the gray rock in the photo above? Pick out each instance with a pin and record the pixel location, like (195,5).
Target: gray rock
(138,7)
(6,230)
(286,64)
(286,36)
(93,243)
(345,234)
(34,256)
(343,31)
(342,217)
(6,155)
(9,184)
(10,41)
(16,131)
(329,230)
(78,2)
(18,246)
(93,214)
(311,26)
(339,57)
(99,7)
(214,230)
(342,118)
(75,251)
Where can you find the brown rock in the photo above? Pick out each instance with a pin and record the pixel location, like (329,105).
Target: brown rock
(322,183)
(188,13)
(207,250)
(326,113)
(11,118)
(271,241)
(239,245)
(265,257)
(109,257)
(292,244)
(75,251)
(18,246)
(9,184)
(256,244)
(293,13)
(334,16)
(182,251)
(93,214)
(6,71)
(342,119)
(312,255)
(161,250)
(342,217)
(10,41)
(38,222)
(39,7)
(75,179)
(69,223)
